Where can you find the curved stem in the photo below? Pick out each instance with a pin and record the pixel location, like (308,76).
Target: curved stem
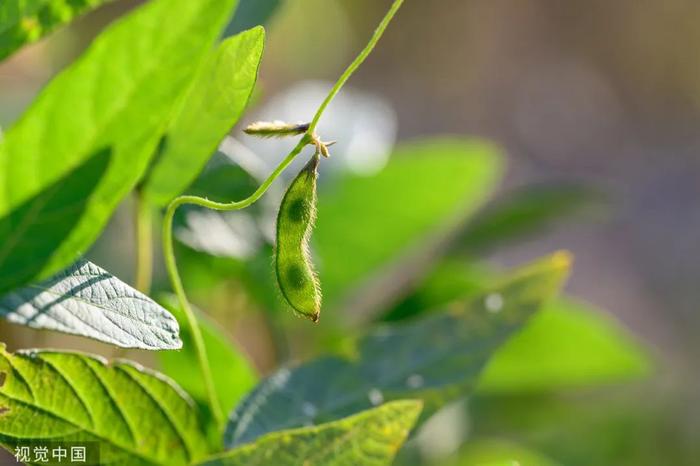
(356,63)
(200,349)
(143,223)
(168,250)
(176,281)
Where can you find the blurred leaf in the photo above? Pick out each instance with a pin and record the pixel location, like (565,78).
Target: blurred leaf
(502,463)
(232,373)
(25,21)
(437,359)
(450,280)
(224,182)
(370,438)
(568,344)
(88,301)
(546,354)
(626,425)
(366,222)
(234,235)
(493,452)
(137,416)
(103,115)
(214,104)
(524,212)
(251,13)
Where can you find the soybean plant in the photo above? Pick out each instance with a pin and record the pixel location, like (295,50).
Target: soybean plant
(295,273)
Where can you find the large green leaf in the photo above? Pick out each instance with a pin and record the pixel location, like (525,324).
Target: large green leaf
(370,438)
(626,425)
(546,354)
(88,301)
(137,416)
(216,101)
(449,280)
(232,373)
(568,344)
(367,222)
(437,359)
(86,140)
(25,21)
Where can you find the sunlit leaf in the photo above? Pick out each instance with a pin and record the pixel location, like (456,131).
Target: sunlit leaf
(437,359)
(370,438)
(88,301)
(216,101)
(137,416)
(568,344)
(546,354)
(88,137)
(25,21)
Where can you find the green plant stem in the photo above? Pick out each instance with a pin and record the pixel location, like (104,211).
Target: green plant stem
(176,281)
(356,63)
(169,252)
(143,223)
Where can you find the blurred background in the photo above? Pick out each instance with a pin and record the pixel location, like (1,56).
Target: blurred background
(596,98)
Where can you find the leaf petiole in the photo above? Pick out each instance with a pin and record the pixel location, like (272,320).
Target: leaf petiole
(143,226)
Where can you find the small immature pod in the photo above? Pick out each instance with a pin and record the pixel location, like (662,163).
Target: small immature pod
(275,129)
(295,220)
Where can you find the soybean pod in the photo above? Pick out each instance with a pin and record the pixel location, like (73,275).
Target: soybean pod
(295,221)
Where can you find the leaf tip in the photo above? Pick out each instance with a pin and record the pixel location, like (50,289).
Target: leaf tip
(562,260)
(258,30)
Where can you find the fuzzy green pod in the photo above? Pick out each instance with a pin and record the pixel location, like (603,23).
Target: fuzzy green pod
(275,129)
(295,221)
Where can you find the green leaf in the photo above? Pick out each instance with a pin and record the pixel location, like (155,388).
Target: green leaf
(437,359)
(137,416)
(624,425)
(25,21)
(568,344)
(233,375)
(88,301)
(428,187)
(370,438)
(524,212)
(88,137)
(449,280)
(546,354)
(216,101)
(495,452)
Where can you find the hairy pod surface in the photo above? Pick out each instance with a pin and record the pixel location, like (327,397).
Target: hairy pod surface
(275,129)
(295,221)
